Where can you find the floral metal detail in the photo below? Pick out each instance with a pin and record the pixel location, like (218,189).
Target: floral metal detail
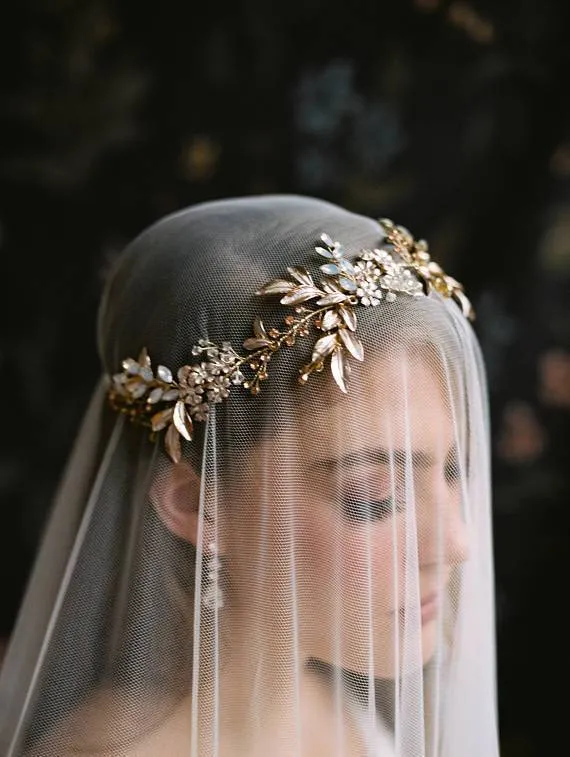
(164,402)
(416,255)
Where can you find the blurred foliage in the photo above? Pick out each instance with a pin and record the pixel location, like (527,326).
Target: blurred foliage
(452,117)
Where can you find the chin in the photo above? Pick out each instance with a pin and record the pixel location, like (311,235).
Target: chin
(386,665)
(429,640)
(356,660)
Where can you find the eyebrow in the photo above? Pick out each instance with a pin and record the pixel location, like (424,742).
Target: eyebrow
(378,456)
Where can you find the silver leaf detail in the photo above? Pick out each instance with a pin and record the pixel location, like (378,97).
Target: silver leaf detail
(300,274)
(161,419)
(301,294)
(324,346)
(172,444)
(332,299)
(277,286)
(255,344)
(348,316)
(352,343)
(144,359)
(330,286)
(259,329)
(182,421)
(331,319)
(339,370)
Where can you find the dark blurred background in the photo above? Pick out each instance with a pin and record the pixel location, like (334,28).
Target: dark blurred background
(451,117)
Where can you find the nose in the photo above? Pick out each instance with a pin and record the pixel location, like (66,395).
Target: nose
(455,538)
(443,533)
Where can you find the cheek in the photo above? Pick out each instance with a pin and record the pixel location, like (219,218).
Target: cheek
(371,568)
(357,562)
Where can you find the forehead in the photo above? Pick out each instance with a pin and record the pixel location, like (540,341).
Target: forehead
(398,400)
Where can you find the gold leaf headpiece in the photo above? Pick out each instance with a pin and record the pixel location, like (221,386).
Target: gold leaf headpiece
(160,401)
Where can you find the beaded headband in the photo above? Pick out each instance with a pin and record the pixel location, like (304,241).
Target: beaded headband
(159,401)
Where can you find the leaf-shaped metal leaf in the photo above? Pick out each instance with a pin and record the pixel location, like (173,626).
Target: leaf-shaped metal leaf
(324,346)
(172,444)
(435,269)
(330,286)
(424,277)
(256,344)
(462,300)
(276,286)
(348,316)
(181,419)
(339,369)
(300,274)
(164,374)
(331,319)
(352,343)
(301,294)
(259,328)
(161,419)
(144,359)
(453,283)
(332,299)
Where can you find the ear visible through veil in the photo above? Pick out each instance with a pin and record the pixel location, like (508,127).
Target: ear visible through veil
(175,496)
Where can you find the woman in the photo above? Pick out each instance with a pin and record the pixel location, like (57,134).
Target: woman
(273,536)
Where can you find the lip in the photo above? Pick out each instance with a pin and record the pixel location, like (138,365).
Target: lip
(429,607)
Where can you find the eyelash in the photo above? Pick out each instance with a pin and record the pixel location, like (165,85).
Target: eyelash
(360,510)
(452,473)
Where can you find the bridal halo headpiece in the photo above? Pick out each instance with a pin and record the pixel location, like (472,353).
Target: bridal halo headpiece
(400,265)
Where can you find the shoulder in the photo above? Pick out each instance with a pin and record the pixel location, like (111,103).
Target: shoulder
(113,723)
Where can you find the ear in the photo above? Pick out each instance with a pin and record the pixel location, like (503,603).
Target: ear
(175,495)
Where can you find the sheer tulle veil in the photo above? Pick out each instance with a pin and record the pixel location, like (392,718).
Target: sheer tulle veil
(288,554)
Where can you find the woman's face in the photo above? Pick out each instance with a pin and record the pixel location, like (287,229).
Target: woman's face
(349,522)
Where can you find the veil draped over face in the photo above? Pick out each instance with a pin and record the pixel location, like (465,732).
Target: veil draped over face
(313,575)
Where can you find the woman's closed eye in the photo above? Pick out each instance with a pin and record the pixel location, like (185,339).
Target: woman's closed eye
(452,471)
(359,508)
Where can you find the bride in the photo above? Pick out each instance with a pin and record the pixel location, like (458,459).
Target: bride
(273,535)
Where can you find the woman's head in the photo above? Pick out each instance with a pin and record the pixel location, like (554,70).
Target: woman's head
(352,529)
(339,518)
